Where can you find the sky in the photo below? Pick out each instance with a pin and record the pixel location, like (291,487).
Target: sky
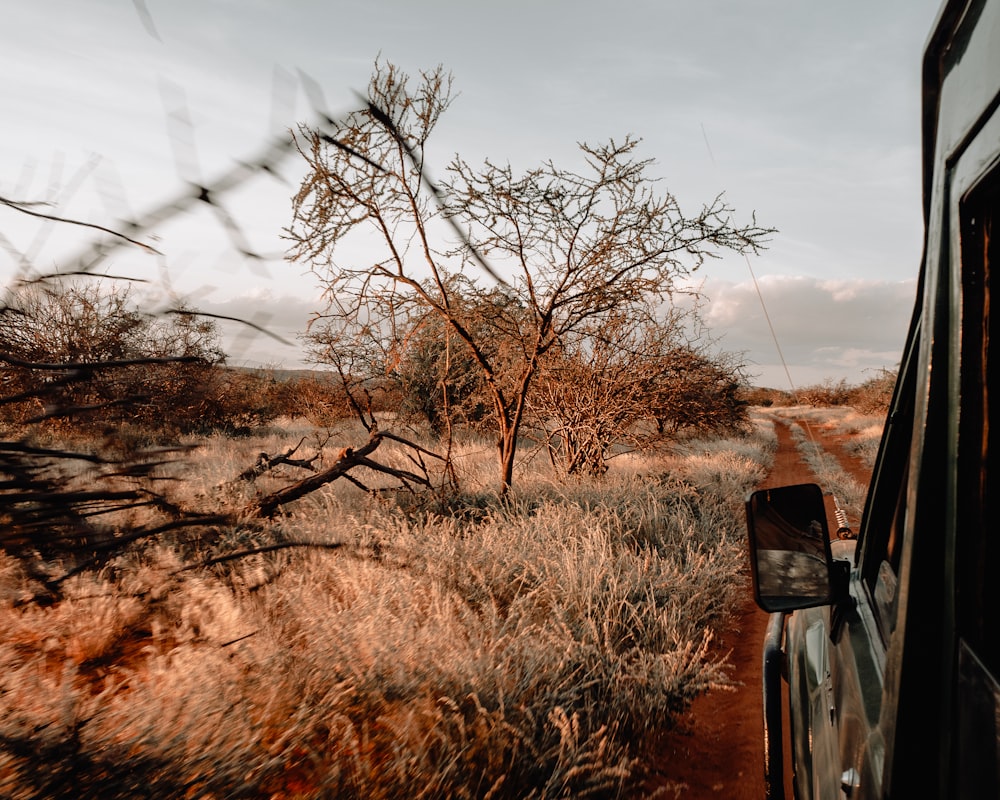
(804,114)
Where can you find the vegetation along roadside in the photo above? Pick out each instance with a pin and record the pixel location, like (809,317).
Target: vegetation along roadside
(512,648)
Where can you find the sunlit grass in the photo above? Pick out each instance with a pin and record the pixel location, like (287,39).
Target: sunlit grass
(530,646)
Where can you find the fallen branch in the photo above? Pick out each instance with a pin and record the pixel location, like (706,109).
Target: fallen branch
(267,506)
(265,463)
(348,459)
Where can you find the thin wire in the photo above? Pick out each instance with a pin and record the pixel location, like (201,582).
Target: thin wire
(756,286)
(781,356)
(767,316)
(839,513)
(774,336)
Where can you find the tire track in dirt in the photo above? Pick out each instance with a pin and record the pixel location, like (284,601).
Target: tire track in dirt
(717,748)
(838,445)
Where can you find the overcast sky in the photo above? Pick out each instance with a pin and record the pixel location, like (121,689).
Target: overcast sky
(804,113)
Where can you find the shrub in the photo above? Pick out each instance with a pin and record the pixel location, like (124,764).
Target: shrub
(766,397)
(80,355)
(827,393)
(317,398)
(874,395)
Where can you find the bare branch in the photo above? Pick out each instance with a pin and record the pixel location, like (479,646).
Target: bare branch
(265,463)
(25,209)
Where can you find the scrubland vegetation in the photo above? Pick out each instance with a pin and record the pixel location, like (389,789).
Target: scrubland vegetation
(232,583)
(409,631)
(530,647)
(871,397)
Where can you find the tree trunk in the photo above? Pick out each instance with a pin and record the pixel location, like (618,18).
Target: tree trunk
(508,448)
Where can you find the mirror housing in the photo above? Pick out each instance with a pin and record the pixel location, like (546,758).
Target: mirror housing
(790,556)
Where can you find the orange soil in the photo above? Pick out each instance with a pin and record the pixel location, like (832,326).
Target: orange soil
(717,749)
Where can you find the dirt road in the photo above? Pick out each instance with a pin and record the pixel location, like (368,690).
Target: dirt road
(717,749)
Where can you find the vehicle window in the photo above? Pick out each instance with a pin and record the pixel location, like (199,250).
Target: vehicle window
(884,590)
(977,543)
(884,521)
(978,744)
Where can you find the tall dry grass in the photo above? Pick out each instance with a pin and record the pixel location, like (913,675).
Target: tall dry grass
(527,647)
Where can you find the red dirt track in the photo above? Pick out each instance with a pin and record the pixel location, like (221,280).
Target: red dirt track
(717,749)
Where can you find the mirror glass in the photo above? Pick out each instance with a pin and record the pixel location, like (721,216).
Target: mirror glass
(789,547)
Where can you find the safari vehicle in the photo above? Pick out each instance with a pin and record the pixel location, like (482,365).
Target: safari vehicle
(890,644)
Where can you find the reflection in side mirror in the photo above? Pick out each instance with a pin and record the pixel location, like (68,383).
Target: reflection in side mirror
(789,548)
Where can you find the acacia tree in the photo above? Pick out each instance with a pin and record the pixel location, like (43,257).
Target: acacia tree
(573,246)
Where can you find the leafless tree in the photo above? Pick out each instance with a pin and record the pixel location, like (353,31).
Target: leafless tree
(572,247)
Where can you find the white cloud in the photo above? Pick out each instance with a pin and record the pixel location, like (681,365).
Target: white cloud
(825,329)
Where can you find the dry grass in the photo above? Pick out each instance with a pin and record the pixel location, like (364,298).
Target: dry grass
(524,648)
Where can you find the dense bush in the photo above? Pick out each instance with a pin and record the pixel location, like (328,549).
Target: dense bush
(869,397)
(317,398)
(827,393)
(874,395)
(439,379)
(766,397)
(81,355)
(632,390)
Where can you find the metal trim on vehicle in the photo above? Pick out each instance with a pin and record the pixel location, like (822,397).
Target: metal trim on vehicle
(774,667)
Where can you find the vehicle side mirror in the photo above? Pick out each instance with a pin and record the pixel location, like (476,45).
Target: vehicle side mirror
(790,554)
